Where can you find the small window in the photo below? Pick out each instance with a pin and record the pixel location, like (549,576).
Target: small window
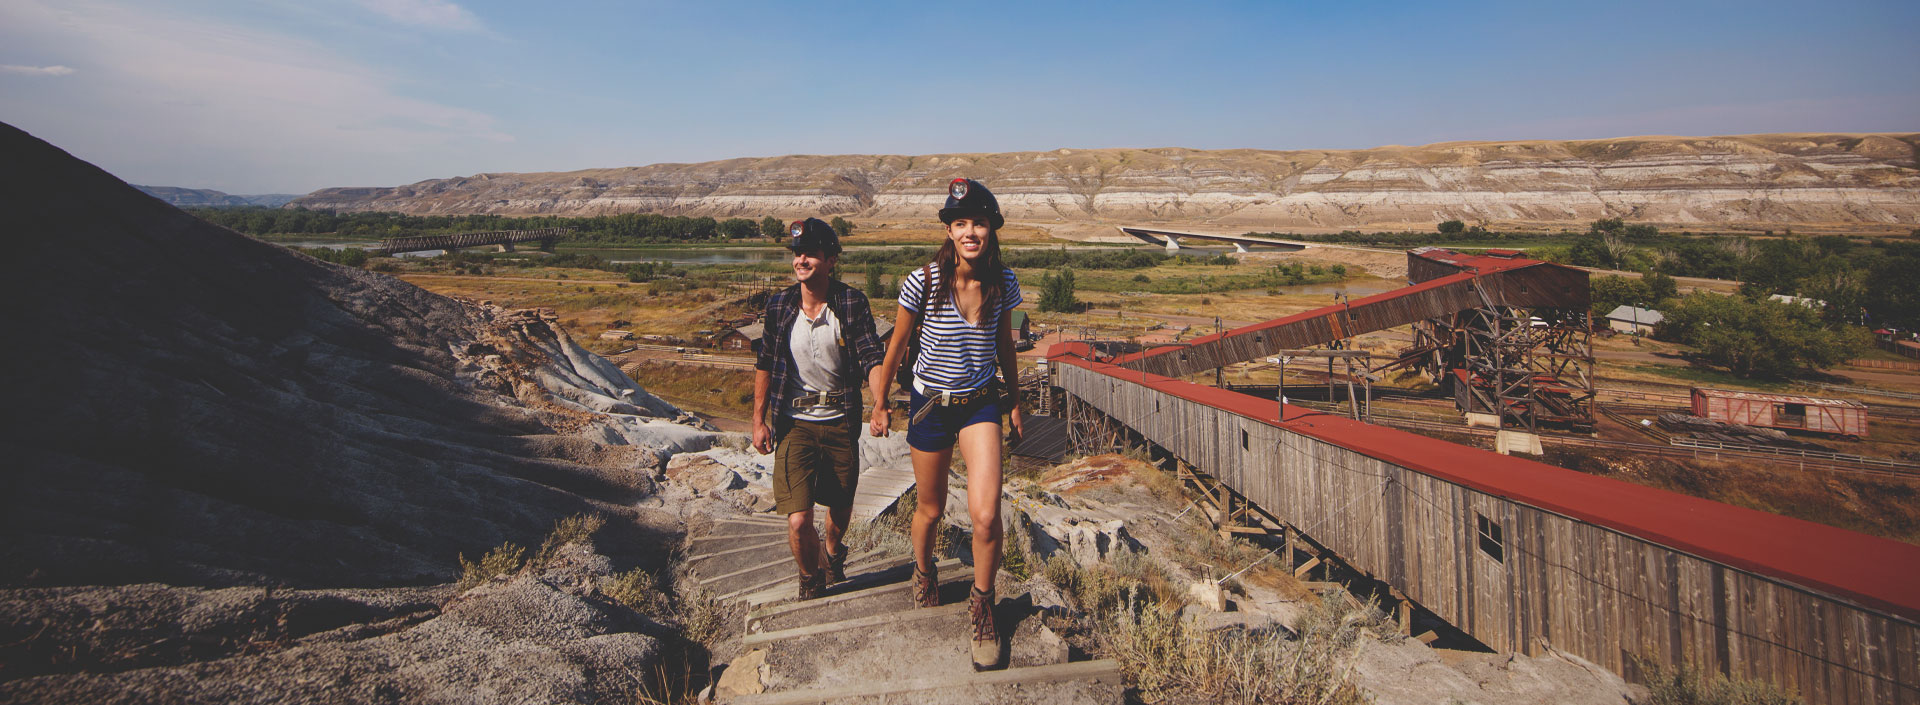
(1490,538)
(1243,440)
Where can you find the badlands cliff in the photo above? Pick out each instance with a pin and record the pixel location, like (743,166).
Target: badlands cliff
(1861,179)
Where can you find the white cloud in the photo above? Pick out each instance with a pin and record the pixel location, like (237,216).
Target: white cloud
(438,14)
(35,70)
(172,97)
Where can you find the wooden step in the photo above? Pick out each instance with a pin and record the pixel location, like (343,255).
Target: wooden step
(1055,684)
(888,597)
(696,541)
(747,556)
(884,619)
(904,644)
(772,574)
(863,571)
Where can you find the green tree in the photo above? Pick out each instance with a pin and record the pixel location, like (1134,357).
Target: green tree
(1660,287)
(738,228)
(1611,292)
(875,288)
(772,227)
(1760,338)
(1056,292)
(842,226)
(1452,227)
(1893,287)
(1778,267)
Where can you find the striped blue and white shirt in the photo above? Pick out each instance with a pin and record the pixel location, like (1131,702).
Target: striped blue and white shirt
(956,355)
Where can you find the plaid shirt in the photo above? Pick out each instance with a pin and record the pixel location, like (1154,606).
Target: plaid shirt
(860,349)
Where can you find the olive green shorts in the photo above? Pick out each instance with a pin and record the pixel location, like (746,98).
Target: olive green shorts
(816,463)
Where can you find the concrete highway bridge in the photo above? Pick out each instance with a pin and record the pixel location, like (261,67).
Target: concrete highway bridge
(504,240)
(1170,239)
(1521,556)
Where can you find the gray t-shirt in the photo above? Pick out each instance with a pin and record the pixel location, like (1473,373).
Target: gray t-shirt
(815,344)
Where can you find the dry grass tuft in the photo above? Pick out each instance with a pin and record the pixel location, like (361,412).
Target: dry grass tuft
(578,528)
(502,560)
(1687,685)
(639,591)
(1168,659)
(1104,586)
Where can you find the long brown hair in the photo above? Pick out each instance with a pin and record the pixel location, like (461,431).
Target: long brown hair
(989,270)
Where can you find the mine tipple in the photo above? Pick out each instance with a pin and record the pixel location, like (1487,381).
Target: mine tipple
(1512,335)
(1531,558)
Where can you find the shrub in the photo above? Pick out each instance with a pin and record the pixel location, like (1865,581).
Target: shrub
(1686,685)
(574,529)
(639,591)
(1168,658)
(502,560)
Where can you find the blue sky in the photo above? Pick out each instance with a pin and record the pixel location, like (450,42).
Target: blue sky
(260,96)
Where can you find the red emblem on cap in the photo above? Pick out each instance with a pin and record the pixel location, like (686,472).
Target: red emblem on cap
(957,189)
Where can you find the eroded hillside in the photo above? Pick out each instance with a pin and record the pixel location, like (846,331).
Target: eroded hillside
(1867,179)
(238,474)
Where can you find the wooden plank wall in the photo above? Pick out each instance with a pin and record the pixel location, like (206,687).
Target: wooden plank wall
(1563,584)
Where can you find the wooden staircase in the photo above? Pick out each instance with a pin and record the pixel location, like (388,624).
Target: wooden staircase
(864,642)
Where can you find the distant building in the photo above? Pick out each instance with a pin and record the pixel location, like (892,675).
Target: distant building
(1634,320)
(738,339)
(1815,304)
(1835,416)
(1022,325)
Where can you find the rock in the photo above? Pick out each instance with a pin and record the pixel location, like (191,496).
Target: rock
(703,473)
(744,676)
(1208,594)
(1090,542)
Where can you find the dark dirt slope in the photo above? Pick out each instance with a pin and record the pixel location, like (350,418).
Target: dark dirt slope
(190,406)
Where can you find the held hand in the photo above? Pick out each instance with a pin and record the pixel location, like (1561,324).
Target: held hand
(762,437)
(882,420)
(1016,429)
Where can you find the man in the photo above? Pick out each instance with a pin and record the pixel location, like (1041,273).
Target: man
(817,346)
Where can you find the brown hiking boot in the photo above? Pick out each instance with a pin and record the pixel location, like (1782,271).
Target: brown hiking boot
(986,636)
(813,586)
(836,564)
(926,586)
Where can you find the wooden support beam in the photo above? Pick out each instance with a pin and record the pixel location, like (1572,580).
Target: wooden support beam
(1305,567)
(1428,637)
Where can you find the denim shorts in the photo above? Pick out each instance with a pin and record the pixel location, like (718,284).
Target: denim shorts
(941,428)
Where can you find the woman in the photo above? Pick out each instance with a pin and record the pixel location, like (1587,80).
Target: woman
(958,308)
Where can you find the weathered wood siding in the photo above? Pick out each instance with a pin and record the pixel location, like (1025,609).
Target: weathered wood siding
(1562,583)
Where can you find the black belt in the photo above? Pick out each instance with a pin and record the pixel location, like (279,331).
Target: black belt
(812,399)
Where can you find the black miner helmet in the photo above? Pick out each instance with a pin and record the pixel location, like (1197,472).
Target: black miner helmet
(813,234)
(967,198)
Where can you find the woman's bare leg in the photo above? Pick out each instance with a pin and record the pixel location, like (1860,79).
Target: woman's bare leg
(980,448)
(930,479)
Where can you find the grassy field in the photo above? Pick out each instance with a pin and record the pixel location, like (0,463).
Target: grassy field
(711,391)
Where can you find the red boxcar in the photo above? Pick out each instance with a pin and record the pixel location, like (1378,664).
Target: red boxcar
(1835,416)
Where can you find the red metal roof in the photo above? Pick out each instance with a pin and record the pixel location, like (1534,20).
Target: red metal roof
(1776,398)
(1878,573)
(1475,263)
